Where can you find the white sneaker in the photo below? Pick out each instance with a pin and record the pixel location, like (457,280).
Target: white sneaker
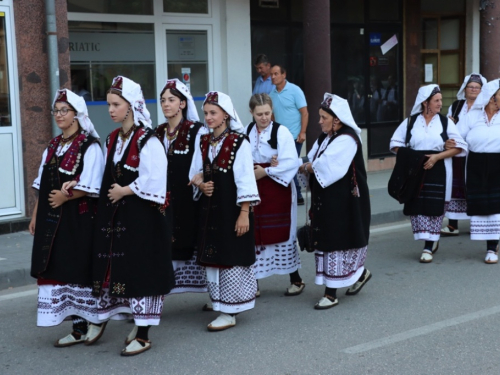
(446,231)
(491,257)
(223,321)
(426,257)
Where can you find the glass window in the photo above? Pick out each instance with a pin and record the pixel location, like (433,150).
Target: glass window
(143,7)
(450,69)
(100,51)
(5,119)
(443,6)
(450,33)
(430,33)
(384,10)
(187,59)
(185,6)
(351,11)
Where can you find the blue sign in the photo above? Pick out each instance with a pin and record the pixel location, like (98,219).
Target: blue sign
(375,39)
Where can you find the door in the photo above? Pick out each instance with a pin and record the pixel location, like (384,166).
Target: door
(189,57)
(383,97)
(11,202)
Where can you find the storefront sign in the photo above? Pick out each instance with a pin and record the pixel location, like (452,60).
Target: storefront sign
(375,39)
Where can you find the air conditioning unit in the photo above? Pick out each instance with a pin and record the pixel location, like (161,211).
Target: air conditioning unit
(269,3)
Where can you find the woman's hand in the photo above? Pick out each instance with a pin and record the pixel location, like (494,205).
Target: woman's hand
(57,198)
(196,180)
(449,144)
(207,188)
(32,225)
(242,224)
(274,161)
(259,172)
(67,186)
(306,168)
(116,193)
(433,159)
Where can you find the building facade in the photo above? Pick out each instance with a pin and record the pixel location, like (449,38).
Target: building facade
(375,53)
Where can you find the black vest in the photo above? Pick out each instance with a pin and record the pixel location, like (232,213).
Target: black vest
(133,237)
(62,247)
(341,220)
(184,208)
(219,245)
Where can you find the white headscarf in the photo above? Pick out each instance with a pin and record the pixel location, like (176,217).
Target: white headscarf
(224,101)
(340,107)
(475,78)
(78,103)
(174,83)
(486,93)
(423,94)
(132,92)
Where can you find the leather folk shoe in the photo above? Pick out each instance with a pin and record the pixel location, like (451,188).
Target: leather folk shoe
(70,340)
(223,321)
(136,346)
(326,303)
(358,285)
(491,257)
(295,289)
(94,333)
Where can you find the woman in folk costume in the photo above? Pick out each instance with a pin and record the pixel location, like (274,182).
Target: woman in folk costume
(276,216)
(132,264)
(222,169)
(483,169)
(180,135)
(63,224)
(340,209)
(457,208)
(426,130)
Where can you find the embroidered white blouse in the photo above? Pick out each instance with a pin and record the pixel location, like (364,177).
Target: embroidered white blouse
(152,181)
(428,137)
(262,152)
(483,135)
(93,168)
(244,177)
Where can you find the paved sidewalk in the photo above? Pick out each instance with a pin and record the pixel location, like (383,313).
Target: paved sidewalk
(15,248)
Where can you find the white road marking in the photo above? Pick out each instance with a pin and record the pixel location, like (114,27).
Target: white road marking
(390,228)
(3,258)
(26,293)
(375,344)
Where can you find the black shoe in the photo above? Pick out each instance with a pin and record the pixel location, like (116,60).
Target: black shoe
(300,201)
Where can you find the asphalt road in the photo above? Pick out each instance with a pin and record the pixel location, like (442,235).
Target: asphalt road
(411,318)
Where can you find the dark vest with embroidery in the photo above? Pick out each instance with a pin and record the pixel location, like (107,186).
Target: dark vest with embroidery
(132,245)
(219,245)
(341,215)
(62,247)
(184,208)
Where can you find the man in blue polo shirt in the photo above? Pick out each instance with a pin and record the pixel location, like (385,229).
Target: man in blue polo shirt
(263,84)
(290,110)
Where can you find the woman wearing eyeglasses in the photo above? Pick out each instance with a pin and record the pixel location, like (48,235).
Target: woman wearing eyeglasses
(62,220)
(457,208)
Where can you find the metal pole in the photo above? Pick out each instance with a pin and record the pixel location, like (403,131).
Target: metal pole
(52,54)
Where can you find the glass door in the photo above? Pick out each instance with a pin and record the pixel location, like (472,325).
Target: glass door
(189,56)
(10,170)
(383,106)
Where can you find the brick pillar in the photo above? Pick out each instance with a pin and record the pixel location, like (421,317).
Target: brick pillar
(317,61)
(413,57)
(490,36)
(34,90)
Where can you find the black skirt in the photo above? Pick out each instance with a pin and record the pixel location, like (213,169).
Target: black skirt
(483,184)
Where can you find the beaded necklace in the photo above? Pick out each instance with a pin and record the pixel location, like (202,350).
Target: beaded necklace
(64,141)
(125,136)
(214,141)
(173,135)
